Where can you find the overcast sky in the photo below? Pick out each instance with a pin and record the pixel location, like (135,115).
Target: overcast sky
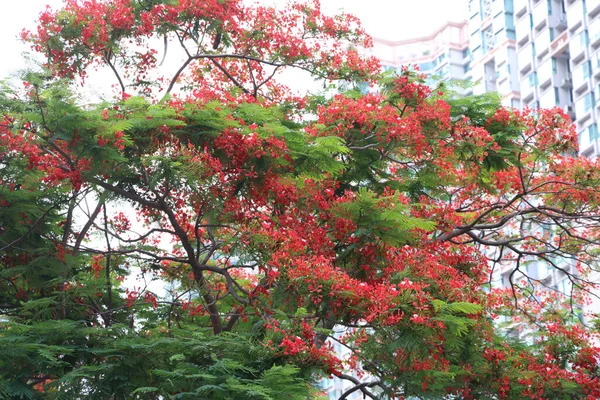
(392,19)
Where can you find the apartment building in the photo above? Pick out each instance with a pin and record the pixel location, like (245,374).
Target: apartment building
(583,30)
(540,53)
(492,43)
(543,54)
(444,54)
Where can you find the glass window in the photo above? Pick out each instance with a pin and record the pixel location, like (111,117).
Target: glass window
(533,81)
(551,34)
(556,96)
(587,69)
(554,68)
(549,7)
(584,38)
(509,20)
(588,102)
(531,21)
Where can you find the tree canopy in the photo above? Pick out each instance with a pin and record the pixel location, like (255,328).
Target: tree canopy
(209,234)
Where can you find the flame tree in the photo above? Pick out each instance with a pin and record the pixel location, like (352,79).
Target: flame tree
(274,222)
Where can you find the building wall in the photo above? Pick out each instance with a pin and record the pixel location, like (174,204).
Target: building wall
(493,48)
(444,54)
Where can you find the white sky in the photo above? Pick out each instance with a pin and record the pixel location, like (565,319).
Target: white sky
(391,19)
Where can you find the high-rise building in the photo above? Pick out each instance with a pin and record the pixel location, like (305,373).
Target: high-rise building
(543,54)
(493,49)
(444,54)
(583,22)
(558,60)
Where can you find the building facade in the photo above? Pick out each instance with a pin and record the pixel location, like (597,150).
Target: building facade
(583,20)
(444,54)
(492,43)
(540,54)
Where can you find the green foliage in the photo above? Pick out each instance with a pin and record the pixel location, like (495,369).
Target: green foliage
(121,362)
(382,218)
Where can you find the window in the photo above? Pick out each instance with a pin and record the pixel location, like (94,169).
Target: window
(584,39)
(588,102)
(556,96)
(587,69)
(509,20)
(488,39)
(549,7)
(533,80)
(535,105)
(554,67)
(551,34)
(531,21)
(593,131)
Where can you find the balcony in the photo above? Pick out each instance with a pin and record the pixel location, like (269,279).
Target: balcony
(560,44)
(583,108)
(520,8)
(503,86)
(540,14)
(577,46)
(542,43)
(525,59)
(547,99)
(575,15)
(595,59)
(587,138)
(498,7)
(527,91)
(581,78)
(545,74)
(523,30)
(593,8)
(594,32)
